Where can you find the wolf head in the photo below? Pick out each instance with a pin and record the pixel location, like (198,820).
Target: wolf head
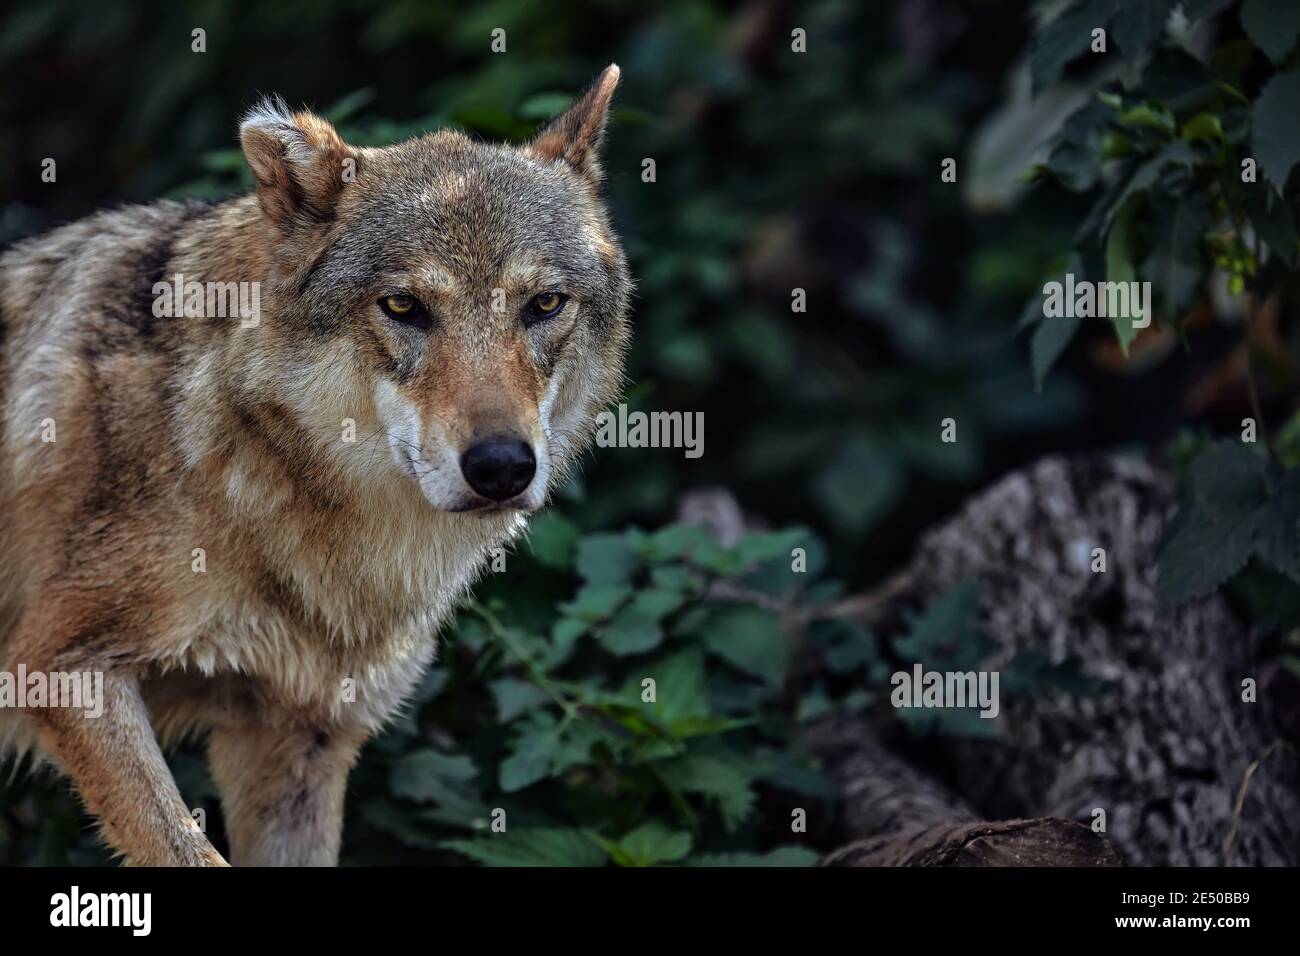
(465,300)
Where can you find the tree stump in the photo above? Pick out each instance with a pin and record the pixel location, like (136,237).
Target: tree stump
(1186,772)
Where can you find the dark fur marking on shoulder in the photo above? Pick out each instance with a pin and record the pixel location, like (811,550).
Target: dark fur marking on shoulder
(150,271)
(131,298)
(121,482)
(280,439)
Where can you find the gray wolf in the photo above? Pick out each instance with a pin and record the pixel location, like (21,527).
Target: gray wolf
(254,526)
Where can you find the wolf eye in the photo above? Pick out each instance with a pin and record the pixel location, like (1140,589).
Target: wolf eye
(404,308)
(544,305)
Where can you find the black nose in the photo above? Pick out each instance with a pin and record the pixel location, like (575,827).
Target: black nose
(499,468)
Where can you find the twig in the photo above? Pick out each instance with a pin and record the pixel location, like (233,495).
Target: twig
(537,675)
(1230,842)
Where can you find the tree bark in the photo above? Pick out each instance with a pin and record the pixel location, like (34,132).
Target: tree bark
(1185,771)
(902,817)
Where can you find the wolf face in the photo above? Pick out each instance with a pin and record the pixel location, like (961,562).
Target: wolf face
(467,300)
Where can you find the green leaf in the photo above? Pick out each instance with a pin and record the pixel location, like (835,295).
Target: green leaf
(947,631)
(1236,507)
(675,578)
(1052,334)
(848,646)
(567,630)
(413,774)
(1119,268)
(428,776)
(1136,25)
(531,759)
(813,705)
(629,634)
(1274,25)
(1174,265)
(654,604)
(653,843)
(514,697)
(538,846)
(1116,145)
(553,540)
(1227,481)
(574,746)
(1075,159)
(1278,537)
(749,639)
(1151,116)
(597,602)
(1203,126)
(1147,175)
(712,556)
(1197,555)
(1064,39)
(721,781)
(672,543)
(606,559)
(636,628)
(757,546)
(1276,134)
(681,688)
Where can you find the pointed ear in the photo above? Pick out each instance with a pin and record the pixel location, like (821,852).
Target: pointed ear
(298,161)
(575,136)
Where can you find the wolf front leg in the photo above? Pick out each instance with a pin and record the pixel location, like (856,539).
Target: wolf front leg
(116,764)
(282,786)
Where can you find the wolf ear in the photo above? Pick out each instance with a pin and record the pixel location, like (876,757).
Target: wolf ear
(575,135)
(298,161)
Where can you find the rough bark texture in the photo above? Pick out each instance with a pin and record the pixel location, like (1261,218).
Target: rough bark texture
(1164,750)
(1046,841)
(908,819)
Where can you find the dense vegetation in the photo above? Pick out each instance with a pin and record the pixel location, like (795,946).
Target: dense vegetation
(776,171)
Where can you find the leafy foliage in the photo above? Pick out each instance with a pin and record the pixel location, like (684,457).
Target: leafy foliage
(638,723)
(1192,159)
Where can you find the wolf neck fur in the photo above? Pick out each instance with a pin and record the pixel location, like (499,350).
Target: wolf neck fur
(262,439)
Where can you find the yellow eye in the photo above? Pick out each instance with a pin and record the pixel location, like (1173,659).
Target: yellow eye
(407,310)
(399,304)
(544,305)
